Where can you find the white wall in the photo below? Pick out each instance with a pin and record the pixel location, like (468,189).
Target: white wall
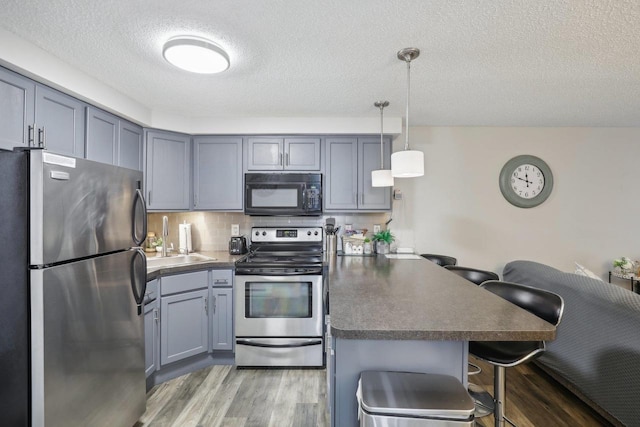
(456,208)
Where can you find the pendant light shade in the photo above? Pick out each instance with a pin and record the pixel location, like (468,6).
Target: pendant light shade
(407,163)
(381,177)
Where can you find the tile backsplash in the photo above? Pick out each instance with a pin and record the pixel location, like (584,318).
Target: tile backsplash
(210,231)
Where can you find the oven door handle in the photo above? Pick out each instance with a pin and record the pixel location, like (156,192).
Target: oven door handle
(297,343)
(311,272)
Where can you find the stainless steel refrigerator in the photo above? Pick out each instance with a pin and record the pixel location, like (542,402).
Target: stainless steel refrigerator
(72,282)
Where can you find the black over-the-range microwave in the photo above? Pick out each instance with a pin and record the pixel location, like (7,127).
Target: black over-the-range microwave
(283,194)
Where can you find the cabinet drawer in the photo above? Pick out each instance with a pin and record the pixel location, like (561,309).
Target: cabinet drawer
(222,277)
(152,291)
(184,282)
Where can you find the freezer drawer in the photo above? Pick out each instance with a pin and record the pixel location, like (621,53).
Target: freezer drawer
(88,342)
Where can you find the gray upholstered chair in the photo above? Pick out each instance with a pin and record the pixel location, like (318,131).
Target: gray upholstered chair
(505,354)
(441,260)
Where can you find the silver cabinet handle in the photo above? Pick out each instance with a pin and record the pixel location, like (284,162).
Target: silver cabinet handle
(195,200)
(220,282)
(287,158)
(30,135)
(149,198)
(206,306)
(280,159)
(155,315)
(42,143)
(214,305)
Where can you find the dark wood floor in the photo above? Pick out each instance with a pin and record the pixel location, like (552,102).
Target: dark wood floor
(230,397)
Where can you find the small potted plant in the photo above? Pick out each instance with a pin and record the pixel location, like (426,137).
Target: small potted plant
(383,239)
(367,246)
(624,264)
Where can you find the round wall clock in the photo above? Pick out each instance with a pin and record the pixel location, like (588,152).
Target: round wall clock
(526,181)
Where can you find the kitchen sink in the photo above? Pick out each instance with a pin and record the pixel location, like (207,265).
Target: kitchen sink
(176,260)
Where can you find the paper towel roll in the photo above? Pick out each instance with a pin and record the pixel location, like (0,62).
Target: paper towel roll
(185,238)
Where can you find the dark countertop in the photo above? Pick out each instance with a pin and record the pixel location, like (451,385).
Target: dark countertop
(222,260)
(380,298)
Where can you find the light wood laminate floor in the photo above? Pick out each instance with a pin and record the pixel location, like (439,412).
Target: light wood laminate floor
(230,397)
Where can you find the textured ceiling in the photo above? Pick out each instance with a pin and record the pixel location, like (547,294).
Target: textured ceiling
(493,63)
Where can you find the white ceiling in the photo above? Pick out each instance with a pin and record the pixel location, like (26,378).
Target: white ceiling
(483,63)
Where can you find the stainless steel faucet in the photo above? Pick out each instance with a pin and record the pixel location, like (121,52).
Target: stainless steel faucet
(165,235)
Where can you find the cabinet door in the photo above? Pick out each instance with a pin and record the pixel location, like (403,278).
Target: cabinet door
(131,144)
(102,136)
(151,342)
(222,323)
(168,176)
(16,109)
(61,118)
(184,326)
(369,197)
(217,175)
(265,154)
(341,178)
(302,154)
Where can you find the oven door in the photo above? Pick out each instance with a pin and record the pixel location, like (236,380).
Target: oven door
(278,306)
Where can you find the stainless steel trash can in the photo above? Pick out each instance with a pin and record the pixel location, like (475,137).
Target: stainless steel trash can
(407,399)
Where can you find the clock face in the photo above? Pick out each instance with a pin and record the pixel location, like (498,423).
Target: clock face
(527,181)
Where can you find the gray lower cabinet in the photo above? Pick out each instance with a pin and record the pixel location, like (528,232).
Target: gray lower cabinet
(222,321)
(38,116)
(151,337)
(348,166)
(168,171)
(184,325)
(283,154)
(217,173)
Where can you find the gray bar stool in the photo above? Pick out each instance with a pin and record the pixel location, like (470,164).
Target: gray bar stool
(484,401)
(441,260)
(505,354)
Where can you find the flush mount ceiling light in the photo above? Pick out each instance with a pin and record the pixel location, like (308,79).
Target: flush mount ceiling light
(407,163)
(196,55)
(381,177)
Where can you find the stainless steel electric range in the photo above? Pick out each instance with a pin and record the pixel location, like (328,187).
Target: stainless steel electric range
(278,299)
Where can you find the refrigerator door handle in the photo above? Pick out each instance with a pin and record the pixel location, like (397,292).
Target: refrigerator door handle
(138,198)
(138,295)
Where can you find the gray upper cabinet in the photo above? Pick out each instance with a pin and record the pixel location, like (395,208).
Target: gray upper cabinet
(222,321)
(168,176)
(184,326)
(349,162)
(341,177)
(131,146)
(217,174)
(35,115)
(60,122)
(16,109)
(103,136)
(374,198)
(276,154)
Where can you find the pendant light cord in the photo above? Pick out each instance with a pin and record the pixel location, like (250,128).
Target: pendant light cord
(381,140)
(406,137)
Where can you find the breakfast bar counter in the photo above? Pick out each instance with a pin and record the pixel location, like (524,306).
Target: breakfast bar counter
(409,315)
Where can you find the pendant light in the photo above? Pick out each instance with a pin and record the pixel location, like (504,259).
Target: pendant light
(407,163)
(381,177)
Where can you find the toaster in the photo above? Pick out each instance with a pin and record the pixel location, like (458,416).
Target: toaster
(238,245)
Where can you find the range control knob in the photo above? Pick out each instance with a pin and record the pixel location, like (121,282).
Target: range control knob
(257,233)
(309,233)
(315,233)
(264,233)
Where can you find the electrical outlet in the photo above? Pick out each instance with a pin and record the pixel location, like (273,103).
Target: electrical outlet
(348,227)
(376,228)
(397,194)
(235,229)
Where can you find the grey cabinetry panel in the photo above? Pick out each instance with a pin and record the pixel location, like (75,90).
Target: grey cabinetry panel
(102,136)
(60,122)
(294,154)
(341,178)
(151,337)
(374,198)
(265,154)
(222,322)
(217,175)
(302,154)
(168,175)
(16,109)
(131,145)
(184,326)
(349,162)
